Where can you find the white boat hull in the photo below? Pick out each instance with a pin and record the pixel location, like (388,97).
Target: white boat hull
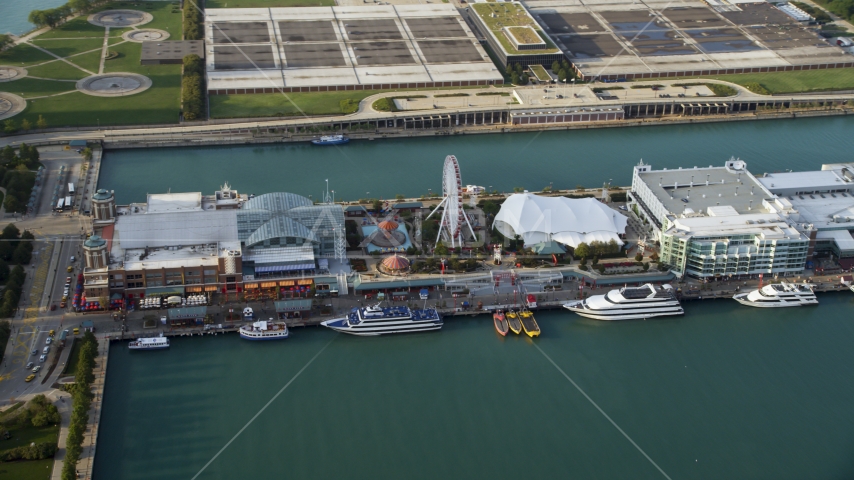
(623,315)
(777,304)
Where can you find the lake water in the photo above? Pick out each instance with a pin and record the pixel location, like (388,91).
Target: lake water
(14,13)
(724,392)
(529,160)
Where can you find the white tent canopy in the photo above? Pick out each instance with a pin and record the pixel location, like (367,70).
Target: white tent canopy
(566,220)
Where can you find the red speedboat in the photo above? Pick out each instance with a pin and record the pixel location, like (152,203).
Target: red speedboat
(501,324)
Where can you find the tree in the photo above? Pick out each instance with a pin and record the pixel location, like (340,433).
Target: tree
(5,41)
(4,270)
(518,189)
(376,205)
(561,75)
(399,197)
(23,253)
(441,249)
(87,154)
(9,126)
(518,69)
(10,232)
(7,155)
(41,122)
(556,66)
(582,250)
(645,267)
(524,79)
(26,125)
(81,6)
(638,257)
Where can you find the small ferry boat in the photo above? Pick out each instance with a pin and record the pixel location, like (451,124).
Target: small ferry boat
(778,295)
(376,320)
(331,140)
(501,325)
(513,322)
(629,303)
(264,330)
(156,343)
(529,324)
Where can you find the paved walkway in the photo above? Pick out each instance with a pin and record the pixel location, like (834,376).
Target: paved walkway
(62,58)
(104,49)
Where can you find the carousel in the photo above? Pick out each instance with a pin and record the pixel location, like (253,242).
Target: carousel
(394,265)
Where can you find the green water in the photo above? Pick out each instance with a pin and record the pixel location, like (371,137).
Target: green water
(532,161)
(725,392)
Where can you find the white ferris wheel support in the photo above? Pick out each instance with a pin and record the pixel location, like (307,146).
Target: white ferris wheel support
(453,215)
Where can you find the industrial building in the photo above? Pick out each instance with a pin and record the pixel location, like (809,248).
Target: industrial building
(719,222)
(626,39)
(181,243)
(311,49)
(512,34)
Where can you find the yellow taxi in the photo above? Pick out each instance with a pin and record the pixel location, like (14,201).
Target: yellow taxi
(30,378)
(52,333)
(69,269)
(76,331)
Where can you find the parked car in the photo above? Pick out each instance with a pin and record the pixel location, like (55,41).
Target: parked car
(37,368)
(45,350)
(30,378)
(43,358)
(29,365)
(48,340)
(68,280)
(73,259)
(34,352)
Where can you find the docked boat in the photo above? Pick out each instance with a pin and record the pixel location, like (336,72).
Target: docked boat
(155,343)
(513,322)
(778,295)
(501,324)
(529,324)
(331,140)
(264,330)
(629,303)
(376,320)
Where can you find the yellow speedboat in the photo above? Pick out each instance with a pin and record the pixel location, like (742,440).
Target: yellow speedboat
(529,324)
(515,324)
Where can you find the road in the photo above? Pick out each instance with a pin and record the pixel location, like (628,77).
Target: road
(448,105)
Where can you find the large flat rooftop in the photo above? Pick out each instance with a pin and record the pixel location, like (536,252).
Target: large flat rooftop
(685,190)
(343,48)
(630,39)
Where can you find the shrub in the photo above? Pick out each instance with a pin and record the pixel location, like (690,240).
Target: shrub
(193,20)
(756,87)
(193,88)
(36,451)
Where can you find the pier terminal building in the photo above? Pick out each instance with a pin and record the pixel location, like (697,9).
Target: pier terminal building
(177,243)
(719,222)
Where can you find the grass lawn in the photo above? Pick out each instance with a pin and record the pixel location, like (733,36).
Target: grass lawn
(540,72)
(268,3)
(58,70)
(73,357)
(27,470)
(90,61)
(164,19)
(128,59)
(22,55)
(64,48)
(27,435)
(794,82)
(77,28)
(158,104)
(31,87)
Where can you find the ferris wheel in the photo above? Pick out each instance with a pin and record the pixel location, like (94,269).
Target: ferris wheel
(453,215)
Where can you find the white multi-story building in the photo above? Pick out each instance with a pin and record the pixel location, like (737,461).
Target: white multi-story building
(719,222)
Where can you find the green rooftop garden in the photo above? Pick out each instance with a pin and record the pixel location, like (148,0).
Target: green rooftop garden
(524,35)
(499,15)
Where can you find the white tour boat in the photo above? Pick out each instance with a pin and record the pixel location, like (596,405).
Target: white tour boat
(156,343)
(778,295)
(629,303)
(264,330)
(376,320)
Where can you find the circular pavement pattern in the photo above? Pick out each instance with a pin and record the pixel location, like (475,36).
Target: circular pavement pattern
(145,35)
(11,105)
(114,84)
(120,18)
(9,73)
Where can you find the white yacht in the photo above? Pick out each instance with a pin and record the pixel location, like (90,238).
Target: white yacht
(629,303)
(264,330)
(376,320)
(778,295)
(156,343)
